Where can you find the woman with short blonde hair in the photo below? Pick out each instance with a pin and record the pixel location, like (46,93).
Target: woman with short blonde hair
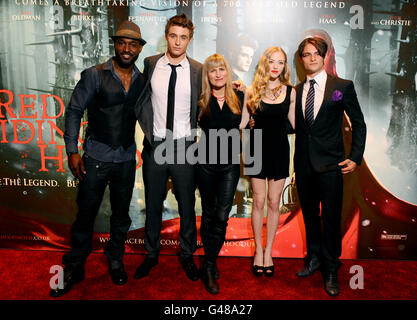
(220,110)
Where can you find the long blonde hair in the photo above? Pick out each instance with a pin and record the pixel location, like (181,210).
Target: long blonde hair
(258,87)
(214,61)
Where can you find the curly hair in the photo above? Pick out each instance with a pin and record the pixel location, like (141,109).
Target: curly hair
(258,87)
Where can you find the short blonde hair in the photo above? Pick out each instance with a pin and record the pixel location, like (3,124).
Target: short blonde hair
(233,102)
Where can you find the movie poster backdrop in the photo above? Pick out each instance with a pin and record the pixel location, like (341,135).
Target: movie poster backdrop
(45,44)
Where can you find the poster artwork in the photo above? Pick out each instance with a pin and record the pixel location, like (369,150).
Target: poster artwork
(46,44)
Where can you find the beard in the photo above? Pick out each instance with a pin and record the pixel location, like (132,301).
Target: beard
(125,64)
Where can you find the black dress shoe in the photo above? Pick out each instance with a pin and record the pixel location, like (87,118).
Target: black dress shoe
(210,282)
(146,266)
(309,268)
(190,269)
(117,272)
(71,277)
(331,286)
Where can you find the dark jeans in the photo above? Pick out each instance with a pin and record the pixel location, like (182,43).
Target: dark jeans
(120,177)
(155,178)
(217,185)
(323,242)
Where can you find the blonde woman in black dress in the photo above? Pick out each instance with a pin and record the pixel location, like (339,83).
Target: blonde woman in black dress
(270,99)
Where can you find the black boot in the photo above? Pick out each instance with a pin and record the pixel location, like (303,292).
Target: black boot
(216,272)
(208,278)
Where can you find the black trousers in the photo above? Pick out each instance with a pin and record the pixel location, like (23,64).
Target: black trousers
(324,236)
(217,184)
(120,177)
(155,178)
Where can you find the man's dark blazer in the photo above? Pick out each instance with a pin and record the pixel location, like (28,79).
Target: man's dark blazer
(322,144)
(143,108)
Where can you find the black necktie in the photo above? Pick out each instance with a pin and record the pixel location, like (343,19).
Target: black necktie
(171,97)
(309,108)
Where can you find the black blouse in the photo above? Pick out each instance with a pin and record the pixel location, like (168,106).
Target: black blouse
(218,119)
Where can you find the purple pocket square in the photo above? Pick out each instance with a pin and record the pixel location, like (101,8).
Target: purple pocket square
(337,95)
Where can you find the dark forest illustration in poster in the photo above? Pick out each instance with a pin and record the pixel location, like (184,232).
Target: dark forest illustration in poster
(45,44)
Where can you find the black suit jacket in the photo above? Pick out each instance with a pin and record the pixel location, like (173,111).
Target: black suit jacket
(322,144)
(143,107)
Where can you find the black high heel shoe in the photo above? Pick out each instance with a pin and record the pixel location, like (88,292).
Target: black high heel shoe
(268,271)
(257,270)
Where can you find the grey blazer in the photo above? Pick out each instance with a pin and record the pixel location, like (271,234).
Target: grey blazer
(143,107)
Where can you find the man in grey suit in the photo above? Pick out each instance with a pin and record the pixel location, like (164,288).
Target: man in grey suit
(167,110)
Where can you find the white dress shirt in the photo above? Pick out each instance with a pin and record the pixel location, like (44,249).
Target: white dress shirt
(319,88)
(160,83)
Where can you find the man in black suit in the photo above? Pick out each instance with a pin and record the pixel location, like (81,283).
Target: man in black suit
(168,110)
(320,159)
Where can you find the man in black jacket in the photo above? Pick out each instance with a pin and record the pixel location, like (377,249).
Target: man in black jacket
(108,92)
(320,160)
(167,112)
